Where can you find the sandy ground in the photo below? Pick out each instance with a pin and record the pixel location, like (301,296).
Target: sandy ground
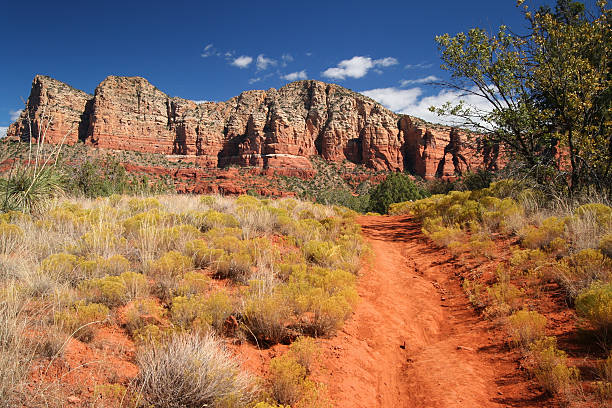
(413,340)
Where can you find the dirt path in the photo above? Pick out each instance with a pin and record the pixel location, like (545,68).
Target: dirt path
(412,341)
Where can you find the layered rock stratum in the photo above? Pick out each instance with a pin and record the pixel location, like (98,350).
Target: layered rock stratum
(276,129)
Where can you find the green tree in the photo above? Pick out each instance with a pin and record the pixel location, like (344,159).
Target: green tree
(549,92)
(396,188)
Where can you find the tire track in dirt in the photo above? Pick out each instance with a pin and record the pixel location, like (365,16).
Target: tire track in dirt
(412,341)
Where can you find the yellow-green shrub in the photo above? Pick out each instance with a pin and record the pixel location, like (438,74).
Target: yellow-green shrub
(595,305)
(143,204)
(80,319)
(549,366)
(578,271)
(541,237)
(202,254)
(266,316)
(288,380)
(171,264)
(305,351)
(62,267)
(605,245)
(202,311)
(140,313)
(175,237)
(11,237)
(115,290)
(475,292)
(193,282)
(101,240)
(504,297)
(321,298)
(525,327)
(526,259)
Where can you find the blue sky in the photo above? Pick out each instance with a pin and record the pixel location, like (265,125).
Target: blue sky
(215,50)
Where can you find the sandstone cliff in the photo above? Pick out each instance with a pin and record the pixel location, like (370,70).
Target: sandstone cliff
(273,129)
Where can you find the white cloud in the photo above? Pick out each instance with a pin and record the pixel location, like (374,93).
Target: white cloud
(294,76)
(386,62)
(14,114)
(242,62)
(286,59)
(201,101)
(357,67)
(412,102)
(3,131)
(255,80)
(263,63)
(430,78)
(422,65)
(209,51)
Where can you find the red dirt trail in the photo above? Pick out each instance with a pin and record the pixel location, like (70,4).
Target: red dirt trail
(413,341)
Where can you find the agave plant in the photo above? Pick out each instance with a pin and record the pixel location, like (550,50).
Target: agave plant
(29,184)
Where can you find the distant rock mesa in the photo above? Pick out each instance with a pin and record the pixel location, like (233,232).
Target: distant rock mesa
(274,129)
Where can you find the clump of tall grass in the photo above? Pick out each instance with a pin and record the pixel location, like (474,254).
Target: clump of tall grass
(190,370)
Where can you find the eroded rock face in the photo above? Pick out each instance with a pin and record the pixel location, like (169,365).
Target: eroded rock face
(273,129)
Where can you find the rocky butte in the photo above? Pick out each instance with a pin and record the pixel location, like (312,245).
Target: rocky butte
(276,129)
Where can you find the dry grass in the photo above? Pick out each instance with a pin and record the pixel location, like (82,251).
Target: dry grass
(192,371)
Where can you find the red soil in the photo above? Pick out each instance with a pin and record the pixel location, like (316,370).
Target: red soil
(413,340)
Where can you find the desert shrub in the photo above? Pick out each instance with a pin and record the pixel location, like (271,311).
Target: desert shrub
(321,298)
(481,245)
(265,316)
(11,237)
(595,305)
(102,240)
(320,252)
(15,353)
(525,327)
(605,245)
(62,267)
(541,237)
(476,180)
(579,270)
(202,254)
(171,264)
(141,313)
(601,213)
(476,293)
(193,282)
(396,188)
(192,371)
(137,205)
(305,351)
(288,380)
(445,236)
(549,366)
(504,297)
(206,220)
(235,266)
(79,319)
(526,259)
(201,311)
(175,237)
(603,387)
(115,290)
(29,190)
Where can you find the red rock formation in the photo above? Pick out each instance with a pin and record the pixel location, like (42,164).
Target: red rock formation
(277,130)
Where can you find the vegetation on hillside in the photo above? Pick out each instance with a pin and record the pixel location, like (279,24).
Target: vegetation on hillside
(168,270)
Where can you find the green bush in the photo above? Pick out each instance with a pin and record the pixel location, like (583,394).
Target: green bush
(201,311)
(525,327)
(549,365)
(115,290)
(80,318)
(171,264)
(396,188)
(595,305)
(578,271)
(288,380)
